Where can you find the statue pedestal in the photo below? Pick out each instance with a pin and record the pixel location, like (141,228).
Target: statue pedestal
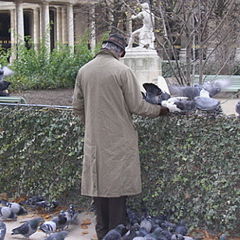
(145,63)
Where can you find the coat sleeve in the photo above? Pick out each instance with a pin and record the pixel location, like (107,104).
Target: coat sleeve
(133,96)
(78,100)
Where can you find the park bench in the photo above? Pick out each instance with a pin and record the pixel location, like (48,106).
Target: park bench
(235,81)
(13,99)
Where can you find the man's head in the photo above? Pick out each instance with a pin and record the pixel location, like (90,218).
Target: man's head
(116,43)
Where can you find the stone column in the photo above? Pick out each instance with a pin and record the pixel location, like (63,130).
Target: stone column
(20,21)
(13,34)
(70,25)
(35,28)
(63,20)
(58,27)
(45,22)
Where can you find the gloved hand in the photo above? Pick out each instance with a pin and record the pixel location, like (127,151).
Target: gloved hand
(171,106)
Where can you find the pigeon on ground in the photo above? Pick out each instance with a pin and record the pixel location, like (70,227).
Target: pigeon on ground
(71,215)
(28,227)
(60,220)
(7,213)
(48,227)
(49,206)
(146,223)
(115,234)
(16,208)
(177,236)
(237,108)
(132,233)
(57,236)
(2,230)
(181,228)
(132,216)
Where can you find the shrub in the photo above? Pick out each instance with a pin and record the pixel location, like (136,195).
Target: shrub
(37,69)
(190,164)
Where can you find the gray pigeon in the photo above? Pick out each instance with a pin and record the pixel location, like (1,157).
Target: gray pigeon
(154,94)
(146,224)
(7,213)
(28,228)
(16,208)
(177,236)
(61,220)
(2,230)
(237,108)
(48,227)
(57,236)
(115,234)
(181,228)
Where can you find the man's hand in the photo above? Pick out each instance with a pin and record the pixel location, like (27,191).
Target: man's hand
(171,106)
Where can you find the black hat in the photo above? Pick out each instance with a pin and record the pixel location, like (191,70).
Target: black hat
(118,40)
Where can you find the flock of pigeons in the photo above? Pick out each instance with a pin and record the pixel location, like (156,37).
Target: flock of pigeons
(55,229)
(186,99)
(149,228)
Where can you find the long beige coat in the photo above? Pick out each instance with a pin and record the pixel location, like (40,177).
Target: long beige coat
(106,95)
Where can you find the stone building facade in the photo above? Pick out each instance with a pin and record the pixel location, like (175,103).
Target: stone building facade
(55,21)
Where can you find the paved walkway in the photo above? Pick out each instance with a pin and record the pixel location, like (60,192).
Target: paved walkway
(84,231)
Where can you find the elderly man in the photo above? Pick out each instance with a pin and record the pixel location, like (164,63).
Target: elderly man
(106,95)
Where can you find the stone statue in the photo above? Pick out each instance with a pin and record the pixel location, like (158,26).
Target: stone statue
(145,33)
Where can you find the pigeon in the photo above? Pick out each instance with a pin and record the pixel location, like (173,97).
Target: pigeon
(213,88)
(48,227)
(7,213)
(16,208)
(237,108)
(3,88)
(187,98)
(154,94)
(60,220)
(115,234)
(177,236)
(132,216)
(132,233)
(146,224)
(71,215)
(28,227)
(2,230)
(181,228)
(49,206)
(57,236)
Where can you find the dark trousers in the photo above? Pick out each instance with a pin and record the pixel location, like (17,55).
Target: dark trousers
(110,212)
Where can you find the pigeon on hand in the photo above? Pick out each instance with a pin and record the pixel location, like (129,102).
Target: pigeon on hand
(115,234)
(2,230)
(7,213)
(57,236)
(48,227)
(16,208)
(237,108)
(28,227)
(171,106)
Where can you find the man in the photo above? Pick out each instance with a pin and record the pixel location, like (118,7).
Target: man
(106,95)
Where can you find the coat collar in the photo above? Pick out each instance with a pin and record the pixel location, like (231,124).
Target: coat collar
(106,52)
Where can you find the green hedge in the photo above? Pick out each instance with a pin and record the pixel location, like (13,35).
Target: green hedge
(190,164)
